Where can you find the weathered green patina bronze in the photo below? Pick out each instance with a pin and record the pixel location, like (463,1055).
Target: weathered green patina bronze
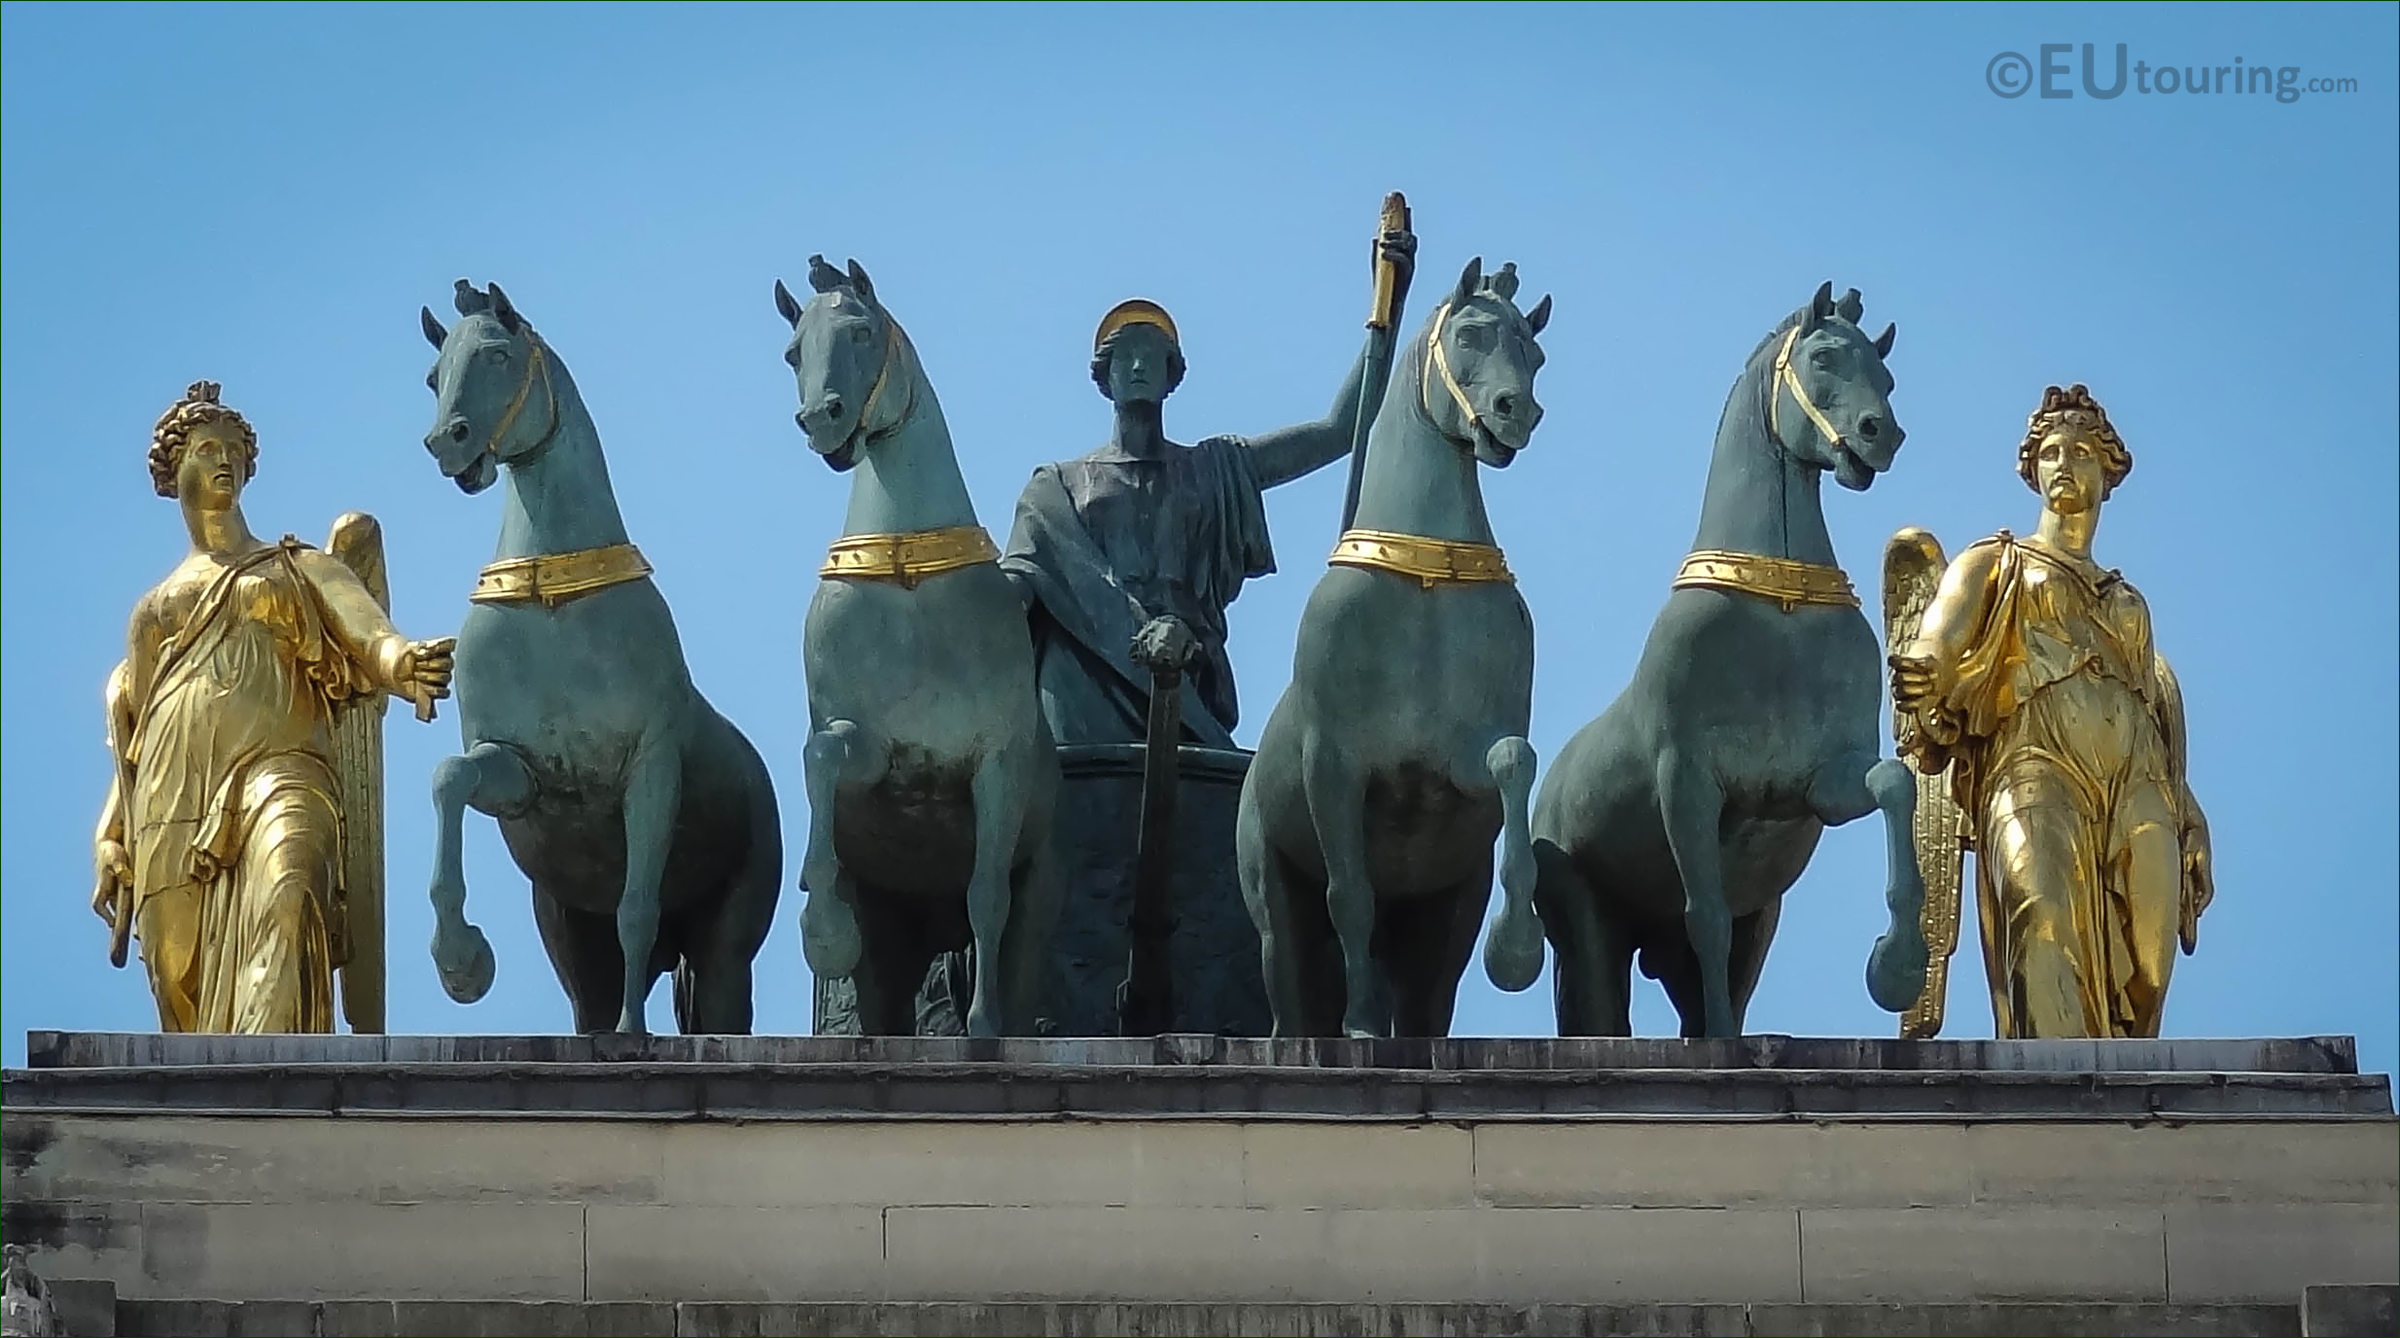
(1398,753)
(1144,529)
(645,820)
(930,770)
(1148,541)
(1671,826)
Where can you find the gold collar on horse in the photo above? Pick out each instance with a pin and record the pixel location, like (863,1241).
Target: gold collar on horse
(1430,562)
(907,558)
(552,579)
(1787,582)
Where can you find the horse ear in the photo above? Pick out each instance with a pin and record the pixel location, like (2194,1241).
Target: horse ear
(1540,315)
(467,300)
(1819,307)
(1469,279)
(434,333)
(785,304)
(504,310)
(860,283)
(1851,307)
(822,277)
(1883,342)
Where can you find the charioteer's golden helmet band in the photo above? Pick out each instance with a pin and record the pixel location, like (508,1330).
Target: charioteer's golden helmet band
(1135,311)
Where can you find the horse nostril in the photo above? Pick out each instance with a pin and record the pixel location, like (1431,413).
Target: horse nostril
(833,408)
(458,430)
(1505,405)
(1870,427)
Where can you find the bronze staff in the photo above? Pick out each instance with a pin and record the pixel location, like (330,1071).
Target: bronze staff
(1381,318)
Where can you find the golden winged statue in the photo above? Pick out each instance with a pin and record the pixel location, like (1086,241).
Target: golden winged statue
(242,838)
(1912,570)
(2047,735)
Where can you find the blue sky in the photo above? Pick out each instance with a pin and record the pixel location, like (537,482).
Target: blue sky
(264,196)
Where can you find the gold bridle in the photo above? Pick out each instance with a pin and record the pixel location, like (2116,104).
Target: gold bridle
(883,372)
(1786,378)
(1437,361)
(537,363)
(859,434)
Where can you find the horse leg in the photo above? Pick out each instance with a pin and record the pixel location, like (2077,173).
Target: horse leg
(1591,983)
(1512,956)
(583,951)
(1428,943)
(1693,807)
(1033,908)
(1268,893)
(1752,935)
(829,932)
(997,791)
(727,943)
(891,963)
(1337,805)
(653,792)
(1848,788)
(489,779)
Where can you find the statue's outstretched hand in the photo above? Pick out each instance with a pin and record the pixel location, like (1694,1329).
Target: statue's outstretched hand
(424,669)
(1914,684)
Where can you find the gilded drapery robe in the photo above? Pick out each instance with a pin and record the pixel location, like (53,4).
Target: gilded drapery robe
(228,783)
(2068,754)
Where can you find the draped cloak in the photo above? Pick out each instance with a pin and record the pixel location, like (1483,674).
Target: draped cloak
(233,818)
(2062,699)
(1106,543)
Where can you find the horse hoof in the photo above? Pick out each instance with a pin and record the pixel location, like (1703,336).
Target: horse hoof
(465,963)
(829,937)
(1896,972)
(979,1021)
(1512,956)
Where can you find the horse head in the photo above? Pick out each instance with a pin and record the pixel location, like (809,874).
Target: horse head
(1476,359)
(1828,393)
(495,402)
(851,359)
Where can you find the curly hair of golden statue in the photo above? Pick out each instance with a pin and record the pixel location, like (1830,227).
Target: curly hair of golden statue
(200,405)
(2075,406)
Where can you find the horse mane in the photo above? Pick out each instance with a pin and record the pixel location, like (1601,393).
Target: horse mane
(1753,375)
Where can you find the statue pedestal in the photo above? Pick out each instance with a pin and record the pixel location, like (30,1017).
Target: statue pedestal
(1199,1185)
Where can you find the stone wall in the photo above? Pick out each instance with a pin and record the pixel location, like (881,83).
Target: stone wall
(1510,1211)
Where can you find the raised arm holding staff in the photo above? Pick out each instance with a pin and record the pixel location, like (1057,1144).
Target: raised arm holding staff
(1145,529)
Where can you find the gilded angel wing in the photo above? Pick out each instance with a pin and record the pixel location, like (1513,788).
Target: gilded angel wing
(1912,570)
(357,540)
